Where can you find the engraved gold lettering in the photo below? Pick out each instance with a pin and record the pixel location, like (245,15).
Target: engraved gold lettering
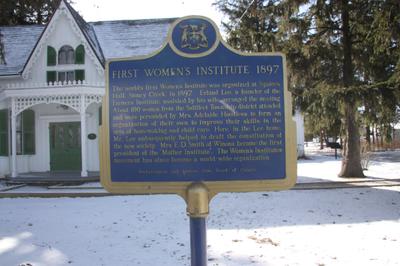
(187,122)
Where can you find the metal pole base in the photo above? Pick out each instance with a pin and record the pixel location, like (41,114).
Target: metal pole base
(198,241)
(197,209)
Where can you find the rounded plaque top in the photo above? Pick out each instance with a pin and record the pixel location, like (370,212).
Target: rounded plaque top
(194,36)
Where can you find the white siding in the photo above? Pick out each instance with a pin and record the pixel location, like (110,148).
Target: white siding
(298,118)
(93,145)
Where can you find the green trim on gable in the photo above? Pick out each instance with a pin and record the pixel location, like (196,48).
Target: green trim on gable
(80,54)
(79,74)
(51,76)
(100,115)
(28,132)
(51,56)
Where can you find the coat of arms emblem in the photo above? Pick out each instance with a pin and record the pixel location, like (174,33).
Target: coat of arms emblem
(193,37)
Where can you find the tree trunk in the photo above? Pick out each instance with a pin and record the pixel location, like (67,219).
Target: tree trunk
(321,139)
(368,135)
(373,135)
(351,161)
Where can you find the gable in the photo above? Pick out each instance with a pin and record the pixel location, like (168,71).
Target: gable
(61,30)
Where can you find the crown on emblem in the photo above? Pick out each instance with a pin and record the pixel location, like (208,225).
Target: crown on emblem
(193,36)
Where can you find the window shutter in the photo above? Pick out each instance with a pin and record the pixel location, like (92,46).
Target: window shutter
(51,76)
(100,115)
(51,56)
(4,132)
(80,74)
(80,54)
(28,129)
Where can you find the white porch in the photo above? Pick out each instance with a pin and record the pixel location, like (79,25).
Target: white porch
(59,102)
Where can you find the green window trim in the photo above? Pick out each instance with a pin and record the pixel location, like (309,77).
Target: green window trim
(25,133)
(80,54)
(79,74)
(28,132)
(51,76)
(4,132)
(51,56)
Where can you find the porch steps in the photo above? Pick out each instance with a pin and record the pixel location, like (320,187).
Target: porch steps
(52,178)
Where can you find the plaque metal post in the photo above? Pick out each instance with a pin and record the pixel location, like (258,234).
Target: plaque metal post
(197,209)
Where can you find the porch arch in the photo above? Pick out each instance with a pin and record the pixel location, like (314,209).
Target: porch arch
(73,101)
(78,102)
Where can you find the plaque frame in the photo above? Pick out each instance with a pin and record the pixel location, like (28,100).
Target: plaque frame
(213,187)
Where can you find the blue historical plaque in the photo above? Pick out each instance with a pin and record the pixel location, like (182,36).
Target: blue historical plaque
(197,111)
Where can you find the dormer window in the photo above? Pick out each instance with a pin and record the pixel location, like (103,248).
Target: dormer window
(66,55)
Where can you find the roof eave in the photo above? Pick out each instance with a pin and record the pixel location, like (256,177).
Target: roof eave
(10,75)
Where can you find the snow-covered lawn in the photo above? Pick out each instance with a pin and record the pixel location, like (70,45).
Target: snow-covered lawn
(356,226)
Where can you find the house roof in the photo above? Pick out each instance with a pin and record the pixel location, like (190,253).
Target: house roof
(18,42)
(128,38)
(108,39)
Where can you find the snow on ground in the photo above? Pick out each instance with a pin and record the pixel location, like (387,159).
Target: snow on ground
(357,226)
(322,165)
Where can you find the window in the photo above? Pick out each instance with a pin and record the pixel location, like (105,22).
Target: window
(4,132)
(25,138)
(66,55)
(66,76)
(25,129)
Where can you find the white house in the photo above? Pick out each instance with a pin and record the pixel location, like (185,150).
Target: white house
(52,84)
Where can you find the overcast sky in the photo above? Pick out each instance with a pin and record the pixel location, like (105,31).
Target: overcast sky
(97,10)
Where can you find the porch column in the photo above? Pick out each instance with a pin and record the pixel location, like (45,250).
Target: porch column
(13,139)
(84,172)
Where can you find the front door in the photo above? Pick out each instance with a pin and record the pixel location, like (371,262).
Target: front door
(65,146)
